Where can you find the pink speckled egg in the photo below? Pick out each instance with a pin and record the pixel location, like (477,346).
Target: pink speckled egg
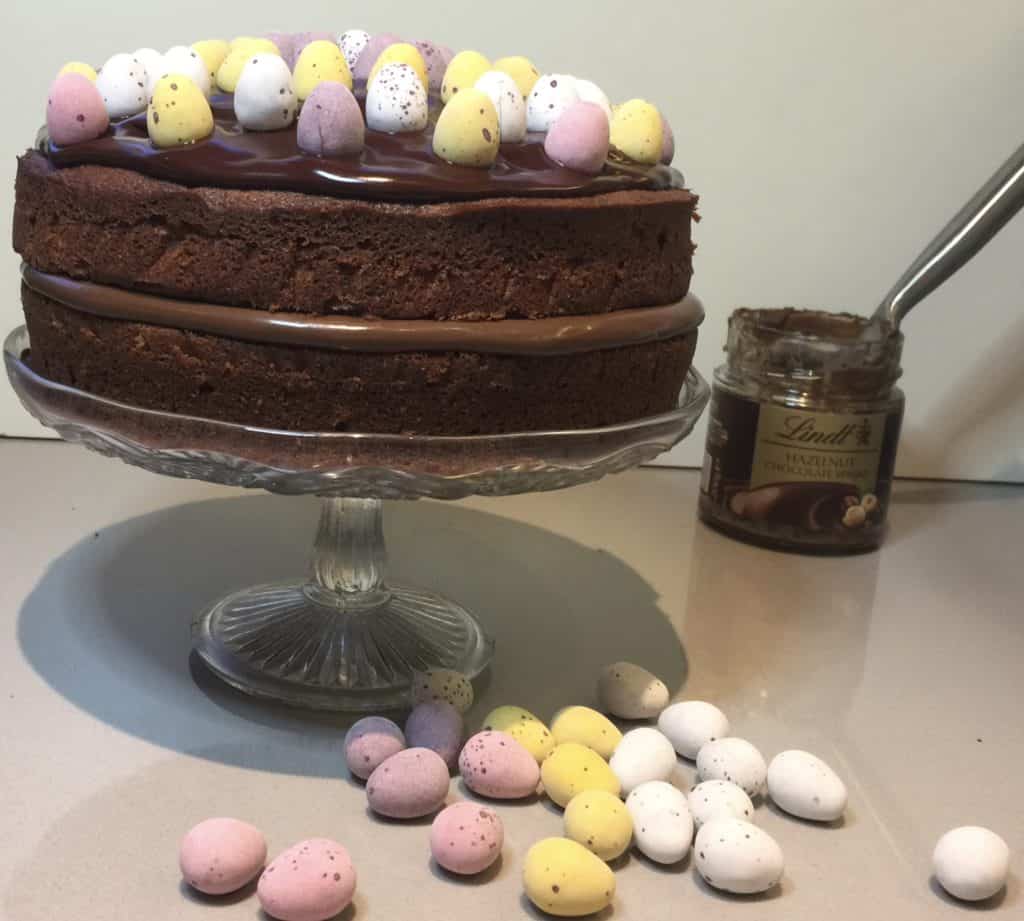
(408,785)
(494,764)
(311,881)
(370,742)
(75,110)
(331,122)
(221,855)
(437,58)
(668,142)
(578,139)
(372,51)
(466,838)
(436,725)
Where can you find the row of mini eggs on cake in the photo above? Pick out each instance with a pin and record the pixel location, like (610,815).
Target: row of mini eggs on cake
(309,78)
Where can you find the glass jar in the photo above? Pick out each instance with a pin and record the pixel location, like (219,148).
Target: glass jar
(804,422)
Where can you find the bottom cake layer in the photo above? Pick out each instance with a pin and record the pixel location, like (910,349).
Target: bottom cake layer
(311,389)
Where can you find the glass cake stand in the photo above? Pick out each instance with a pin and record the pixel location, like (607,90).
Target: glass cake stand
(344,638)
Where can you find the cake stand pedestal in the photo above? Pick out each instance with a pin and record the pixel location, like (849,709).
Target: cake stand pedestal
(344,638)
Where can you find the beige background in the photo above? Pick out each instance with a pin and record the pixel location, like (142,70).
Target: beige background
(828,141)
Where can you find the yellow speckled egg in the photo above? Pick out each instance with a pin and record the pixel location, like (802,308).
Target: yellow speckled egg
(212,51)
(467,131)
(464,70)
(636,131)
(77,67)
(588,727)
(524,727)
(572,768)
(251,43)
(178,112)
(519,69)
(319,61)
(401,53)
(563,878)
(600,822)
(232,66)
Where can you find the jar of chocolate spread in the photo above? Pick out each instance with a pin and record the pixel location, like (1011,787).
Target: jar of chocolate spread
(804,422)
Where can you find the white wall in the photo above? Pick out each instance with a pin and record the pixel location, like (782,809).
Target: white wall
(829,139)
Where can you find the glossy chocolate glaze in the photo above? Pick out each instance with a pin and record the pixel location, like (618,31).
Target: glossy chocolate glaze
(392,167)
(550,336)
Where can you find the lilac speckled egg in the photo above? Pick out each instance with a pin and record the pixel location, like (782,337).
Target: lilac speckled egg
(311,881)
(371,741)
(466,838)
(668,142)
(437,59)
(285,42)
(301,39)
(75,110)
(372,51)
(221,855)
(578,139)
(331,122)
(494,764)
(408,785)
(436,725)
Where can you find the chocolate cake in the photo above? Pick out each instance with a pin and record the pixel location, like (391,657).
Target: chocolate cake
(241,276)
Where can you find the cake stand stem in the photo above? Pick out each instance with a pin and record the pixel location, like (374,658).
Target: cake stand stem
(349,555)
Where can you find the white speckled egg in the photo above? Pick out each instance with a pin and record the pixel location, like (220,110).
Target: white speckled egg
(662,825)
(508,103)
(971,863)
(719,799)
(643,754)
(630,691)
(736,856)
(589,91)
(735,760)
(552,94)
(396,101)
(442,684)
(803,785)
(149,58)
(182,60)
(352,44)
(264,97)
(124,85)
(690,724)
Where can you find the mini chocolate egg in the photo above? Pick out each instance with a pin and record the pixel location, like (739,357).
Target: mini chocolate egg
(588,727)
(77,67)
(524,727)
(400,53)
(572,768)
(408,785)
(466,132)
(122,82)
(396,101)
(971,862)
(462,73)
(368,56)
(600,822)
(590,92)
(436,725)
(149,58)
(319,61)
(805,786)
(508,103)
(637,132)
(437,59)
(466,838)
(285,44)
(221,855)
(551,95)
(311,881)
(370,741)
(719,799)
(264,97)
(232,66)
(737,857)
(578,139)
(644,754)
(735,760)
(668,142)
(630,691)
(662,825)
(178,112)
(352,43)
(331,123)
(442,684)
(494,764)
(212,51)
(561,877)
(521,70)
(187,61)
(690,724)
(300,41)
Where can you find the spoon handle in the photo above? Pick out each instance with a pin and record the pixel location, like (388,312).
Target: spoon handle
(974,225)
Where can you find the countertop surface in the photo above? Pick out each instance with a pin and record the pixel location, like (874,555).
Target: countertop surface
(903,669)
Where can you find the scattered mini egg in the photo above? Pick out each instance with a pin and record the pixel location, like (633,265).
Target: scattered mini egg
(494,764)
(630,691)
(319,61)
(400,53)
(466,838)
(588,727)
(368,56)
(77,67)
(443,684)
(643,754)
(524,727)
(971,863)
(74,110)
(178,112)
(600,822)
(264,96)
(668,142)
(662,825)
(508,103)
(212,51)
(561,877)
(352,43)
(467,132)
(521,70)
(551,95)
(735,760)
(436,725)
(637,132)
(578,139)
(572,768)
(719,799)
(396,102)
(122,82)
(589,91)
(805,786)
(738,857)
(221,855)
(149,58)
(311,881)
(462,73)
(690,724)
(331,123)
(232,66)
(285,44)
(409,784)
(369,743)
(302,40)
(437,58)
(183,60)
